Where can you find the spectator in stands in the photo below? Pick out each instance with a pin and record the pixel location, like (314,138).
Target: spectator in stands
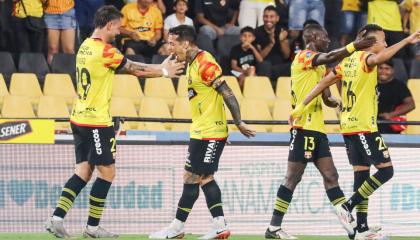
(30,34)
(85,10)
(162,6)
(302,10)
(354,17)
(245,56)
(60,18)
(272,43)
(174,20)
(251,12)
(142,25)
(386,14)
(395,99)
(177,18)
(217,17)
(411,20)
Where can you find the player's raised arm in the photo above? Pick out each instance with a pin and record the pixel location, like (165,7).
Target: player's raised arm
(327,81)
(361,42)
(233,105)
(388,53)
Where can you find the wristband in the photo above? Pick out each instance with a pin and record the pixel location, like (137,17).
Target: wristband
(350,47)
(165,72)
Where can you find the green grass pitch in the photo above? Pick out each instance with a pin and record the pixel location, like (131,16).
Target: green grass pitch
(18,236)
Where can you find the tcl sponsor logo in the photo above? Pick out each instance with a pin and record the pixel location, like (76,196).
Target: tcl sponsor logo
(97,141)
(10,130)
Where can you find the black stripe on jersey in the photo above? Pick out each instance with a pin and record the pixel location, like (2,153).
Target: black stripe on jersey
(123,62)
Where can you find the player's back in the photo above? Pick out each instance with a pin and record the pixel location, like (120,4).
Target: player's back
(359,96)
(207,109)
(96,62)
(304,79)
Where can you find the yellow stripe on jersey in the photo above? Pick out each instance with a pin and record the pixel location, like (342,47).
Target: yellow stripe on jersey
(207,109)
(358,93)
(304,79)
(96,63)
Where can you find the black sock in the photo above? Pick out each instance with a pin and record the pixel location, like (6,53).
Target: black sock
(97,200)
(362,208)
(336,196)
(370,186)
(213,198)
(70,191)
(284,197)
(190,194)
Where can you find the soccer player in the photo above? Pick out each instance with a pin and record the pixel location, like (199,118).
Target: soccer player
(364,144)
(208,132)
(94,136)
(308,142)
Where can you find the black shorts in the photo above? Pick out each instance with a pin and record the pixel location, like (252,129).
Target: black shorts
(203,156)
(365,149)
(95,145)
(308,146)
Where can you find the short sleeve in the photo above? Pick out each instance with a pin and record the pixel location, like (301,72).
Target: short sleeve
(363,61)
(234,53)
(159,20)
(124,20)
(404,91)
(306,58)
(112,57)
(199,6)
(208,69)
(407,5)
(338,70)
(166,24)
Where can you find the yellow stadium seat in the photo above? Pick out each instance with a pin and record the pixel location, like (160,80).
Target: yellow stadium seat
(331,114)
(283,88)
(154,108)
(17,107)
(182,88)
(3,89)
(414,116)
(124,107)
(25,84)
(160,88)
(254,109)
(414,86)
(281,111)
(127,86)
(181,110)
(259,88)
(54,107)
(59,85)
(233,83)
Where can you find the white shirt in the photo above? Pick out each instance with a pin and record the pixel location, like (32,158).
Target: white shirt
(171,21)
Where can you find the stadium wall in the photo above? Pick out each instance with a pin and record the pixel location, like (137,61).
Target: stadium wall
(148,185)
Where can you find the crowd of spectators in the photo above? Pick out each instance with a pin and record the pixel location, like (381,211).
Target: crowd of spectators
(263,36)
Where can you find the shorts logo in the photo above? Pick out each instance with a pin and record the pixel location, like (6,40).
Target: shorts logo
(97,141)
(365,144)
(210,151)
(386,154)
(308,154)
(294,132)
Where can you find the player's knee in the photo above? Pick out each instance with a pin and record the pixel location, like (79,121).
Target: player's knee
(387,172)
(191,178)
(206,179)
(331,178)
(130,51)
(292,180)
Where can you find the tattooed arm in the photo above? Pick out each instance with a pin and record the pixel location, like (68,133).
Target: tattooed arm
(169,68)
(233,105)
